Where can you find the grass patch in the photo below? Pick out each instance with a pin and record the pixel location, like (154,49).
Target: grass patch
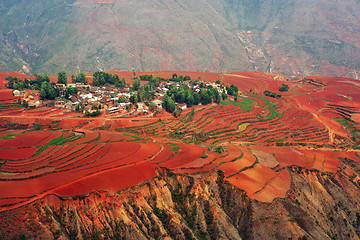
(56,142)
(348,125)
(174,147)
(224,104)
(245,103)
(8,136)
(11,105)
(136,137)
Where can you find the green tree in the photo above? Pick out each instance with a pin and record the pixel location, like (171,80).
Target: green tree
(16,86)
(196,98)
(136,84)
(192,113)
(151,106)
(121,84)
(133,99)
(204,97)
(47,91)
(177,113)
(169,104)
(232,90)
(81,78)
(37,126)
(190,99)
(284,88)
(62,79)
(25,103)
(217,97)
(43,93)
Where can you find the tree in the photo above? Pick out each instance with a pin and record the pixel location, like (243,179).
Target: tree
(81,78)
(47,91)
(232,90)
(37,126)
(196,98)
(271,94)
(223,96)
(284,88)
(192,113)
(133,99)
(204,97)
(25,103)
(169,104)
(177,113)
(151,106)
(121,83)
(43,93)
(217,97)
(62,79)
(136,84)
(190,100)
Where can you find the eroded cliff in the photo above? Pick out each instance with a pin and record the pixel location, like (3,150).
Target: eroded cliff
(199,206)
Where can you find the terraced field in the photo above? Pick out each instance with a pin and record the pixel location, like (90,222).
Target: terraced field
(253,118)
(253,141)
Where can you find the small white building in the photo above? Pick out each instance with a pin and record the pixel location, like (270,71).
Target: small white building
(158,103)
(183,106)
(16,93)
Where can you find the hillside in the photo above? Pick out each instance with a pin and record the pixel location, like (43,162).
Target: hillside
(284,37)
(251,166)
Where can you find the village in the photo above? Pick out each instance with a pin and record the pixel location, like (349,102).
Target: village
(110,100)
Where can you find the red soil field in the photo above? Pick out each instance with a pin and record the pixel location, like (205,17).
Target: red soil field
(253,179)
(112,180)
(18,153)
(185,155)
(275,188)
(165,154)
(117,161)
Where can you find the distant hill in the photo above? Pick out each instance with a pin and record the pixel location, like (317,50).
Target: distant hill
(287,37)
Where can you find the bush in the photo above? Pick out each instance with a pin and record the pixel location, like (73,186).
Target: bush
(37,126)
(284,88)
(271,94)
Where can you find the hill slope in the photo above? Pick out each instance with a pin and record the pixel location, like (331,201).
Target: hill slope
(211,35)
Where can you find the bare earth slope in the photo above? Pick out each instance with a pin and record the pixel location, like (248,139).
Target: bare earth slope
(287,37)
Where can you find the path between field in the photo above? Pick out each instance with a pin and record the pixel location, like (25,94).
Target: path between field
(235,75)
(330,130)
(51,191)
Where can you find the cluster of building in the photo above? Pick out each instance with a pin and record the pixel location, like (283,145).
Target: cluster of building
(31,97)
(106,99)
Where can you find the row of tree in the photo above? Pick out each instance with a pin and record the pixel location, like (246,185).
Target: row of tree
(103,78)
(41,83)
(190,97)
(80,78)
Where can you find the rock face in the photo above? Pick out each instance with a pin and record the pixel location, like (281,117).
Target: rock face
(198,206)
(285,37)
